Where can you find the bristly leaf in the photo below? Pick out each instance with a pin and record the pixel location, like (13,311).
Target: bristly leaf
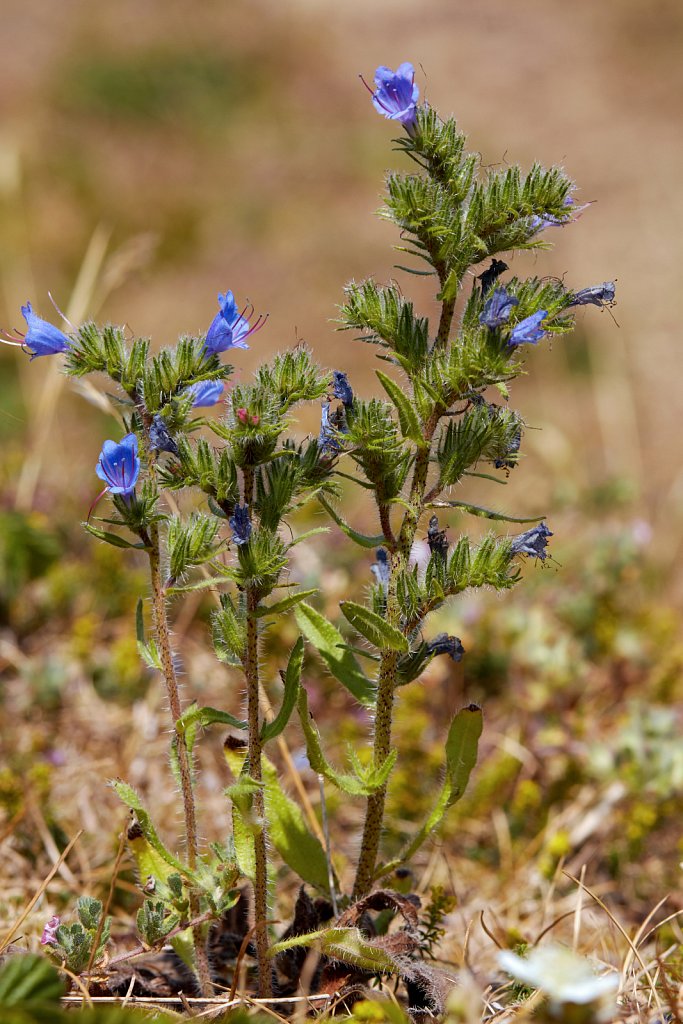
(407,417)
(373,627)
(461,757)
(195,717)
(285,605)
(362,539)
(329,642)
(292,682)
(364,783)
(129,797)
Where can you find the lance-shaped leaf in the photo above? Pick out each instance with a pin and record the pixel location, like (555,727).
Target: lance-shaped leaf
(363,783)
(292,682)
(129,797)
(113,538)
(331,646)
(461,757)
(345,944)
(148,651)
(484,513)
(374,628)
(285,604)
(195,717)
(287,829)
(362,539)
(407,417)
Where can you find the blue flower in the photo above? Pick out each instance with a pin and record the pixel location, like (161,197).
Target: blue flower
(529,330)
(240,524)
(328,440)
(445,644)
(497,308)
(229,328)
(597,295)
(532,542)
(159,438)
(342,389)
(119,465)
(396,94)
(205,392)
(539,222)
(43,338)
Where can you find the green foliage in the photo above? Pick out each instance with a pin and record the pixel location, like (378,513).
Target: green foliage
(365,780)
(386,318)
(377,447)
(212,471)
(461,757)
(329,643)
(291,378)
(190,542)
(75,943)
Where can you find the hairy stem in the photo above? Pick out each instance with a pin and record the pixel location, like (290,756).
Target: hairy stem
(254,753)
(445,321)
(374,812)
(386,683)
(163,638)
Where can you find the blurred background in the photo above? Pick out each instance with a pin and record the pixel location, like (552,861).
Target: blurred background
(153,154)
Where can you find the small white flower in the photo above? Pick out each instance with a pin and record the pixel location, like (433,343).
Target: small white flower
(564,976)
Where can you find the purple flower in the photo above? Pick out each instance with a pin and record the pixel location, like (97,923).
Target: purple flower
(43,338)
(119,465)
(396,94)
(445,644)
(597,295)
(539,222)
(529,330)
(205,392)
(240,524)
(342,389)
(159,438)
(497,308)
(229,328)
(49,936)
(532,542)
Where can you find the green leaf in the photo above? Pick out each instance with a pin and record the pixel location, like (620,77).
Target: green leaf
(29,979)
(484,513)
(374,628)
(307,535)
(362,539)
(195,717)
(131,799)
(289,834)
(407,417)
(287,829)
(292,681)
(345,944)
(113,538)
(352,785)
(203,584)
(285,604)
(330,644)
(461,757)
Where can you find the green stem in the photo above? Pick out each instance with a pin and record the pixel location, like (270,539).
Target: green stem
(163,638)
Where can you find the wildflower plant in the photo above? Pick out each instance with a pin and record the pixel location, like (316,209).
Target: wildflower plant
(413,450)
